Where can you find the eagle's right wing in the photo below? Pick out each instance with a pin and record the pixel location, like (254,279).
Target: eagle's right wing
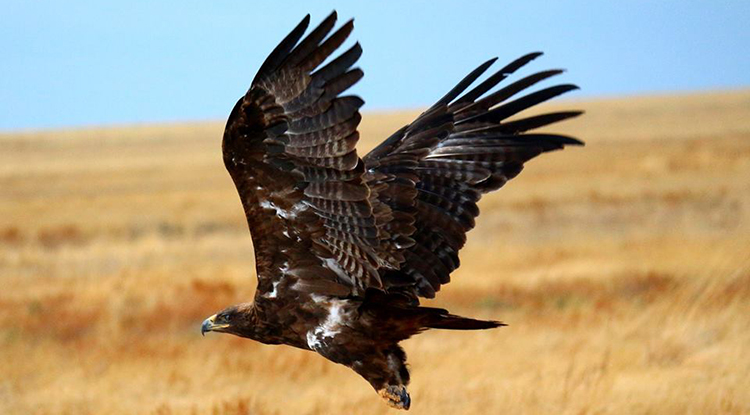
(289,145)
(432,172)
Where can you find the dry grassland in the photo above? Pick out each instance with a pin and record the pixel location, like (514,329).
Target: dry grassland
(623,269)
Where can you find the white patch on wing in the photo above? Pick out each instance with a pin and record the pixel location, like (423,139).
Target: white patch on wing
(273,293)
(332,325)
(267,204)
(288,214)
(284,269)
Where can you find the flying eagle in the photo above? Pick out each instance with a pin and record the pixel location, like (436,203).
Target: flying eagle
(346,245)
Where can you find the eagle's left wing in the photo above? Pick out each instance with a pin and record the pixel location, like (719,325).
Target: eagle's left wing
(289,146)
(433,171)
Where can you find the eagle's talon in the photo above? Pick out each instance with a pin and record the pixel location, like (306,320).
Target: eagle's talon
(396,396)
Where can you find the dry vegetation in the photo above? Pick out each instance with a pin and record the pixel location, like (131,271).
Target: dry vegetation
(623,269)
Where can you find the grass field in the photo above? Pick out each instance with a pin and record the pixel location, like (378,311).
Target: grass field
(622,269)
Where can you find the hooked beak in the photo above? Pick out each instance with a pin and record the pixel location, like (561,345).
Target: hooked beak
(209,324)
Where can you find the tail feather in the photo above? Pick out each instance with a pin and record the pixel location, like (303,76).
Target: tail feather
(438,318)
(402,319)
(453,322)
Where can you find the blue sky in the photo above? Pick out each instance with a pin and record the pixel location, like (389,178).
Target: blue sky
(83,63)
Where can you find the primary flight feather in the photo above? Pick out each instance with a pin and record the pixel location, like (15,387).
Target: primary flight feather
(346,245)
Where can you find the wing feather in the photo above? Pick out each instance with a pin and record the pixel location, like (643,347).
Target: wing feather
(459,149)
(396,219)
(289,146)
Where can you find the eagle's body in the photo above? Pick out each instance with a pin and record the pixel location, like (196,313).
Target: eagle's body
(345,246)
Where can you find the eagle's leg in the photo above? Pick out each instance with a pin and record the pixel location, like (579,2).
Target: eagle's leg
(383,365)
(387,372)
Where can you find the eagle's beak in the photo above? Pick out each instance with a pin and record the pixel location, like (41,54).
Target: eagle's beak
(208,325)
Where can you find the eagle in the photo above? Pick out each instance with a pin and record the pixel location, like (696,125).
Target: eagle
(345,246)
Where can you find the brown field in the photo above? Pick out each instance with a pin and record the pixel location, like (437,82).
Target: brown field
(623,269)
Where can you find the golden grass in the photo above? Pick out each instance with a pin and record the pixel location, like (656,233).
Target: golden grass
(623,269)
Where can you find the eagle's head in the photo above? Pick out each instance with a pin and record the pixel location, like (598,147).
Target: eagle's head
(237,319)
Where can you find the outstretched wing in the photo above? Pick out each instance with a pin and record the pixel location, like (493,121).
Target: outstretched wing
(433,172)
(289,146)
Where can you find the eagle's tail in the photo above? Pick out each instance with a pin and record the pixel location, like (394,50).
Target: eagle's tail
(438,318)
(451,322)
(411,319)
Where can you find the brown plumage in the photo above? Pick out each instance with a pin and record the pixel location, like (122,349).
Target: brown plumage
(345,246)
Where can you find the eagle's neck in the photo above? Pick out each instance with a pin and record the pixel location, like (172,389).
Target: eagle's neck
(254,325)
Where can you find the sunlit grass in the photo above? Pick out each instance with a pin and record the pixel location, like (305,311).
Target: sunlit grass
(622,269)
